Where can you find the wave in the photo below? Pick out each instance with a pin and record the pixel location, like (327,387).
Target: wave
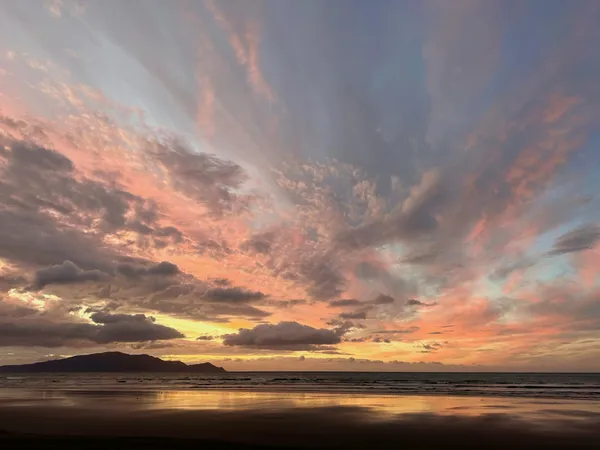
(576,386)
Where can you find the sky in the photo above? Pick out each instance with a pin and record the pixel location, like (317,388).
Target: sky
(391,185)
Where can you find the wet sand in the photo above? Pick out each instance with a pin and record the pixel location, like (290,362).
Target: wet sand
(72,419)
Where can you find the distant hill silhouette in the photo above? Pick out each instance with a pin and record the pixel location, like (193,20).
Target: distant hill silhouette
(112,362)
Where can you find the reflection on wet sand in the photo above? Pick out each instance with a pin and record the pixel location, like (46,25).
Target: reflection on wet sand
(300,420)
(377,406)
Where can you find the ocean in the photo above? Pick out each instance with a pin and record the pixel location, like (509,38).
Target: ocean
(304,410)
(538,385)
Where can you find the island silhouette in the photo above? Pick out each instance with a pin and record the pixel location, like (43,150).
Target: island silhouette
(112,362)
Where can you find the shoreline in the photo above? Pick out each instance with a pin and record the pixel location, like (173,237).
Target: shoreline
(384,392)
(317,427)
(74,443)
(224,419)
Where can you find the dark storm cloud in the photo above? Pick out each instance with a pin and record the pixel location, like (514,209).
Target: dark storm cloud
(367,271)
(415,302)
(38,177)
(70,273)
(220,312)
(28,158)
(152,345)
(429,348)
(10,280)
(140,227)
(399,331)
(108,318)
(31,238)
(343,326)
(360,339)
(14,310)
(286,303)
(66,273)
(345,302)
(260,243)
(221,282)
(284,336)
(203,177)
(131,328)
(43,205)
(212,248)
(415,218)
(383,299)
(361,313)
(384,279)
(324,280)
(358,314)
(421,257)
(583,238)
(232,295)
(144,220)
(205,338)
(40,331)
(170,232)
(163,268)
(187,300)
(185,296)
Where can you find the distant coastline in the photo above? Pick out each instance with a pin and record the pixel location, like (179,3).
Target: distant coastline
(112,362)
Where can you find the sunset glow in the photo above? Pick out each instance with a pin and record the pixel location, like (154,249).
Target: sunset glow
(273,185)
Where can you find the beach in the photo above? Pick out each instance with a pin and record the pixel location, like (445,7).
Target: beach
(180,418)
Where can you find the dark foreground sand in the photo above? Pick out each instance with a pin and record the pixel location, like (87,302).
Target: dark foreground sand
(66,427)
